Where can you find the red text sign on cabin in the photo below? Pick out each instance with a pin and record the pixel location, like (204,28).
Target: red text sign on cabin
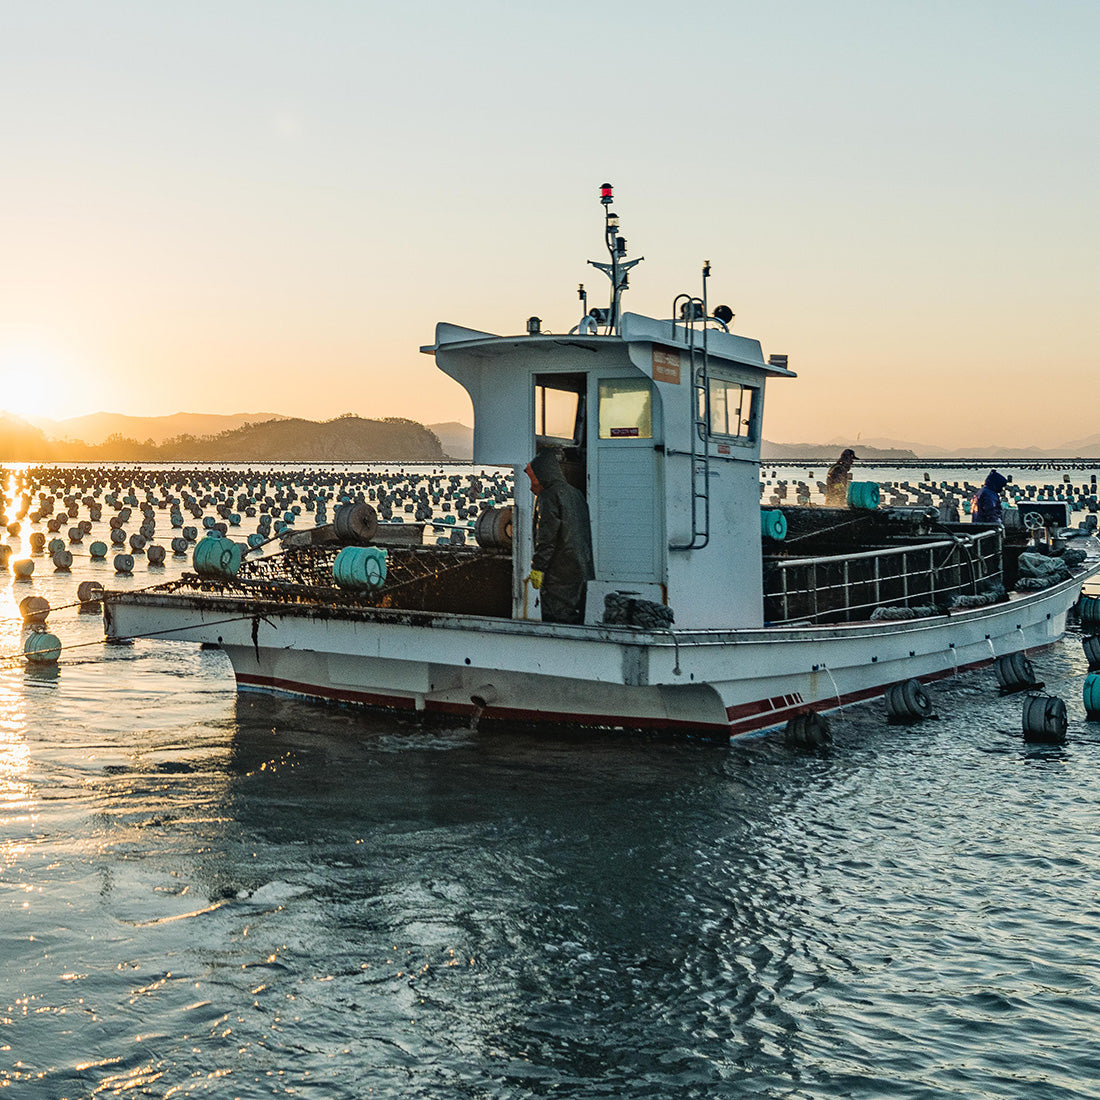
(666,366)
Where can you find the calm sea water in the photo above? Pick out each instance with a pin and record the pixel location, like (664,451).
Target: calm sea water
(206,894)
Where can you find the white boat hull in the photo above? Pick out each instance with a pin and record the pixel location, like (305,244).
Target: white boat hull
(713,682)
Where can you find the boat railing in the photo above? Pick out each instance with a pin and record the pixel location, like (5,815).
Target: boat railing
(848,587)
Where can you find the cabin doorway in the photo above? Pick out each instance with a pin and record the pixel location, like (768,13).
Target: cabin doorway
(561,414)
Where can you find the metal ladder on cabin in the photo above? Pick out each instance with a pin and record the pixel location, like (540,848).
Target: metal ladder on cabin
(699,455)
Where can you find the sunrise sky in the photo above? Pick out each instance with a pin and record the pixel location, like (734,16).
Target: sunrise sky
(261,205)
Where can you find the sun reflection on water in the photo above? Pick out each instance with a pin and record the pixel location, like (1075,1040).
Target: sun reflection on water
(16,797)
(16,793)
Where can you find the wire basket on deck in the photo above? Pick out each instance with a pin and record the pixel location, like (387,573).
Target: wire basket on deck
(427,578)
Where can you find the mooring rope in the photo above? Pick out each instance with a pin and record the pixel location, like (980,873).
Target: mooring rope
(20,657)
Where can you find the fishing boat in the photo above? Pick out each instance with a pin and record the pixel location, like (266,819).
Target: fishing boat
(706,613)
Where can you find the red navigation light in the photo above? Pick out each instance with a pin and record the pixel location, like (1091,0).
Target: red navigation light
(606,196)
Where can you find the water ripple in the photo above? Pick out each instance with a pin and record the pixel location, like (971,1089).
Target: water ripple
(253,897)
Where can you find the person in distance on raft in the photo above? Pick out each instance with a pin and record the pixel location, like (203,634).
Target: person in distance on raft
(838,479)
(987,504)
(562,564)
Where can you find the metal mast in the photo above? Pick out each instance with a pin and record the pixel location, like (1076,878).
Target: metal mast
(617,270)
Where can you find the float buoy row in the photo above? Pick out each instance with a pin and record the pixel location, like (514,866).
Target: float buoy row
(69,503)
(1044,717)
(952,496)
(72,501)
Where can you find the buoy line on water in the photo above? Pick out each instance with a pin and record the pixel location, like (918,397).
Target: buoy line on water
(80,603)
(53,652)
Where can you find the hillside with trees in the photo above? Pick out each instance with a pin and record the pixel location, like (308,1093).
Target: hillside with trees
(344,439)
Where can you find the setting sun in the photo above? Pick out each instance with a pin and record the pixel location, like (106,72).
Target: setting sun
(37,381)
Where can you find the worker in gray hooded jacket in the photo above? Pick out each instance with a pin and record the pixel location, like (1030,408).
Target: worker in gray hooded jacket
(562,564)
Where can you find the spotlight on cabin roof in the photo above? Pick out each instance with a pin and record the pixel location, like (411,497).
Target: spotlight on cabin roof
(723,314)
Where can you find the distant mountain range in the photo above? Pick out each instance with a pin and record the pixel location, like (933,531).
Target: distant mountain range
(95,429)
(281,439)
(457,439)
(830,452)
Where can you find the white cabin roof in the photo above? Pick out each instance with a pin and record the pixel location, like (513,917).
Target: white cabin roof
(636,328)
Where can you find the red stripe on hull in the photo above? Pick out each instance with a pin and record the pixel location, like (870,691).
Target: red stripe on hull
(339,695)
(765,706)
(743,717)
(774,718)
(508,714)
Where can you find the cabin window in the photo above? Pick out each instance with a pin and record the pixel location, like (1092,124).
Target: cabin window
(626,408)
(556,413)
(732,408)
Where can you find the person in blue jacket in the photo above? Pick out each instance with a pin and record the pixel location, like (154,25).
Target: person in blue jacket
(987,504)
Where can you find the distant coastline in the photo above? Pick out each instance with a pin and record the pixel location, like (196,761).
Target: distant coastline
(273,437)
(819,453)
(346,438)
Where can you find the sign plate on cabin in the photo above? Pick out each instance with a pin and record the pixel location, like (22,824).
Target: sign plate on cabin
(666,366)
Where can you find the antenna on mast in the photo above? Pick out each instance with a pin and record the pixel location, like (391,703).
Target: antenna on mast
(617,270)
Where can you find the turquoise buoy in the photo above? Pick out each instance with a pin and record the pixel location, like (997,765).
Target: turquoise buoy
(216,558)
(1090,693)
(360,568)
(773,524)
(97,551)
(863,494)
(42,647)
